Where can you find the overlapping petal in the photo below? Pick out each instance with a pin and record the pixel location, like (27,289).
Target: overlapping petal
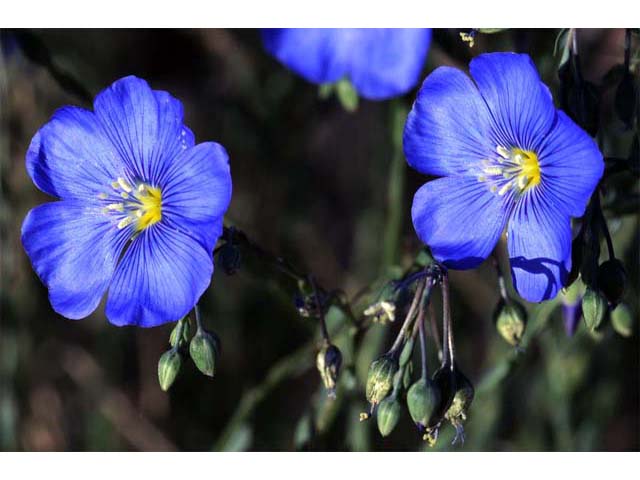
(145,127)
(447,130)
(571,166)
(459,219)
(71,158)
(539,244)
(197,192)
(520,104)
(74,248)
(160,278)
(380,63)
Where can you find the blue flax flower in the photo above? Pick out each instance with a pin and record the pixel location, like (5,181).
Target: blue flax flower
(508,159)
(140,207)
(380,63)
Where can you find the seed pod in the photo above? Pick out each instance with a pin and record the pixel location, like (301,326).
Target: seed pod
(612,280)
(445,382)
(388,415)
(594,308)
(168,368)
(204,352)
(380,378)
(423,399)
(622,320)
(511,319)
(462,399)
(328,362)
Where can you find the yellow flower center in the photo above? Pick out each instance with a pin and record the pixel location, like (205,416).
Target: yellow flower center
(514,169)
(142,205)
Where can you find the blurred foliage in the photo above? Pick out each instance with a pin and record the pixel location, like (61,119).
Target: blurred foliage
(328,190)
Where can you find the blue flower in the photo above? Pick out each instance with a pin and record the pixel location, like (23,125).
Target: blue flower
(507,158)
(140,207)
(380,63)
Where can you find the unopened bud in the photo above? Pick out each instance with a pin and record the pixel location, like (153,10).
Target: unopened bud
(594,308)
(182,326)
(168,368)
(622,320)
(380,378)
(423,399)
(612,280)
(328,362)
(388,415)
(511,319)
(204,351)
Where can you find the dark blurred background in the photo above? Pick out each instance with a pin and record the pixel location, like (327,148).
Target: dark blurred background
(310,183)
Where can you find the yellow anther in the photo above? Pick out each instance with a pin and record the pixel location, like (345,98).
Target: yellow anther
(102,196)
(505,188)
(117,207)
(124,195)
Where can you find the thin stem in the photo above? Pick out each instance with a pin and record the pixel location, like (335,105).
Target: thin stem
(434,331)
(320,308)
(417,298)
(446,320)
(605,231)
(423,344)
(501,283)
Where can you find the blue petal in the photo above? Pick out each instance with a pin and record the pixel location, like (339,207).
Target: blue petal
(459,219)
(70,157)
(381,63)
(160,278)
(318,54)
(539,241)
(74,249)
(145,126)
(385,63)
(571,166)
(197,192)
(448,129)
(521,105)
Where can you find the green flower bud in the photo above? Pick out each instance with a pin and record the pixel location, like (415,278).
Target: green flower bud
(168,368)
(423,399)
(612,280)
(380,378)
(388,415)
(328,362)
(347,95)
(204,352)
(511,319)
(594,308)
(622,320)
(183,324)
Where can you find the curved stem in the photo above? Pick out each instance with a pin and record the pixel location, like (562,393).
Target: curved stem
(407,320)
(449,349)
(320,308)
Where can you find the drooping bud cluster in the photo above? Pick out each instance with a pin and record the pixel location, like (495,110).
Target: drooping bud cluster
(203,348)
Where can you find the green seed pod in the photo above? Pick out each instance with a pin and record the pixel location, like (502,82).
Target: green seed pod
(622,320)
(204,352)
(328,362)
(185,324)
(422,399)
(168,368)
(511,319)
(594,308)
(445,382)
(612,280)
(388,415)
(462,399)
(380,378)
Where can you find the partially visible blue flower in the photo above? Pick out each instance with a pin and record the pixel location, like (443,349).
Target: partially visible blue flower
(380,63)
(140,207)
(508,159)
